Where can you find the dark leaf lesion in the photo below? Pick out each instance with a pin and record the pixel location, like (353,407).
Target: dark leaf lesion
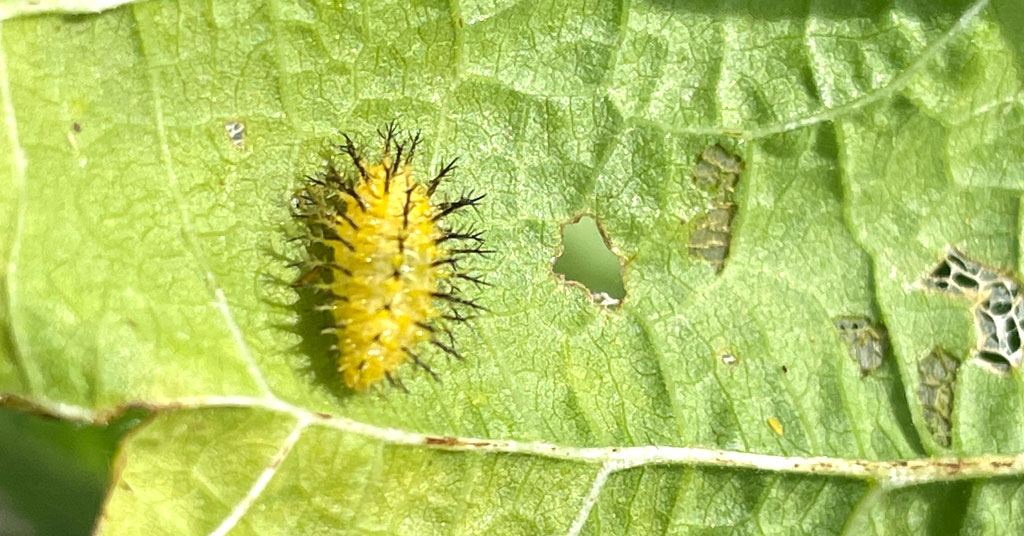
(866,342)
(936,383)
(718,172)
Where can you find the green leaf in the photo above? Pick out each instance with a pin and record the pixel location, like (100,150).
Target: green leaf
(142,247)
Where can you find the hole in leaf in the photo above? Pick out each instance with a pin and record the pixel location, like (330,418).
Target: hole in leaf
(1000,299)
(995,360)
(965,281)
(997,306)
(956,258)
(1013,338)
(943,271)
(236,133)
(586,259)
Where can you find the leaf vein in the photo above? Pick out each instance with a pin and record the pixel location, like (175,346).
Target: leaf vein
(600,479)
(20,178)
(220,301)
(830,114)
(260,484)
(890,473)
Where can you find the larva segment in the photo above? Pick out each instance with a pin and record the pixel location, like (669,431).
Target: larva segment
(391,255)
(390,262)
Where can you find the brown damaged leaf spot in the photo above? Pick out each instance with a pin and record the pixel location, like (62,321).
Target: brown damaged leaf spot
(955,468)
(449,441)
(866,342)
(936,385)
(717,171)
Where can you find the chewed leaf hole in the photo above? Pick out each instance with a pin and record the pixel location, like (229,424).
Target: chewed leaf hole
(998,308)
(996,361)
(236,133)
(587,260)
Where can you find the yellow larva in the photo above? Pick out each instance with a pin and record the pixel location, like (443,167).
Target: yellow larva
(376,237)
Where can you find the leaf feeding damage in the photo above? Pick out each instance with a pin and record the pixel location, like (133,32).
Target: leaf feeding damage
(718,172)
(936,383)
(866,343)
(997,305)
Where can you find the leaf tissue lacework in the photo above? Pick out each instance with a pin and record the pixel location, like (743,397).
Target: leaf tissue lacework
(997,304)
(387,265)
(717,172)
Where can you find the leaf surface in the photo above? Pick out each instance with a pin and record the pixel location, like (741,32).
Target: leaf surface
(143,247)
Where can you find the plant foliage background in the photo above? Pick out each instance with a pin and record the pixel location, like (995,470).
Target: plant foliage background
(141,246)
